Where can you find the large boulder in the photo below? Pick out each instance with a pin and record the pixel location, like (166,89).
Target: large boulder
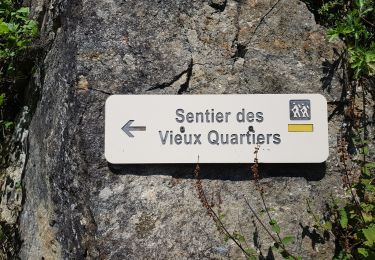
(76,205)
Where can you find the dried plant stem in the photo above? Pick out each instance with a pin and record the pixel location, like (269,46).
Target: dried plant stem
(343,157)
(202,197)
(256,176)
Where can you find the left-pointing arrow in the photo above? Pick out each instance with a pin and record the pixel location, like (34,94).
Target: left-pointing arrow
(127,128)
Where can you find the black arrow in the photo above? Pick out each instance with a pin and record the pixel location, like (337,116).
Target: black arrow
(127,128)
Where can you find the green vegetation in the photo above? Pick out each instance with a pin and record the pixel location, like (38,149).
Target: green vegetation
(16,33)
(353,23)
(353,224)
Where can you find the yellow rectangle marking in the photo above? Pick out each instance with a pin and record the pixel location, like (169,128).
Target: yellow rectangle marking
(300,128)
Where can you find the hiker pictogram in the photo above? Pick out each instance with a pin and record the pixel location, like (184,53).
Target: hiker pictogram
(300,109)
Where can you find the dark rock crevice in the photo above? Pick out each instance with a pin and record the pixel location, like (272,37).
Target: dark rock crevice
(235,43)
(100,91)
(219,5)
(189,73)
(241,51)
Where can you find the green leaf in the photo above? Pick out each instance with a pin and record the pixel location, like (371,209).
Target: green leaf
(21,43)
(343,218)
(287,240)
(360,4)
(368,10)
(364,150)
(24,11)
(17,186)
(366,207)
(3,28)
(370,56)
(363,251)
(221,216)
(367,184)
(370,165)
(369,234)
(365,171)
(32,28)
(252,253)
(275,227)
(8,124)
(332,35)
(367,217)
(2,99)
(327,225)
(239,237)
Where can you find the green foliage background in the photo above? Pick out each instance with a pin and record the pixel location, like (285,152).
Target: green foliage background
(353,23)
(16,32)
(352,223)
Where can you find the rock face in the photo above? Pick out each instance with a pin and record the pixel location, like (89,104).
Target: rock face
(78,206)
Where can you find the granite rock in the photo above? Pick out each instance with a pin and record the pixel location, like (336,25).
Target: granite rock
(78,206)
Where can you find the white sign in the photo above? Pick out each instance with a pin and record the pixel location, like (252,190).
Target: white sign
(216,128)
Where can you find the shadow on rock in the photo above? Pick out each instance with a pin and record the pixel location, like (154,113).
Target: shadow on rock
(330,70)
(232,172)
(314,236)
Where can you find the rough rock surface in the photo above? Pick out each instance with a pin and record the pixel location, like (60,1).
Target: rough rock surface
(77,205)
(11,177)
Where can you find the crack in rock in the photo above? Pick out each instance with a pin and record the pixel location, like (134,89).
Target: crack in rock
(262,19)
(241,49)
(188,72)
(100,91)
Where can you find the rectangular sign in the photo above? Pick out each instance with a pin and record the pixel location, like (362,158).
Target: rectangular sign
(288,128)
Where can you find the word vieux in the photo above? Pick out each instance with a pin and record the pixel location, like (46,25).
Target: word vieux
(214,137)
